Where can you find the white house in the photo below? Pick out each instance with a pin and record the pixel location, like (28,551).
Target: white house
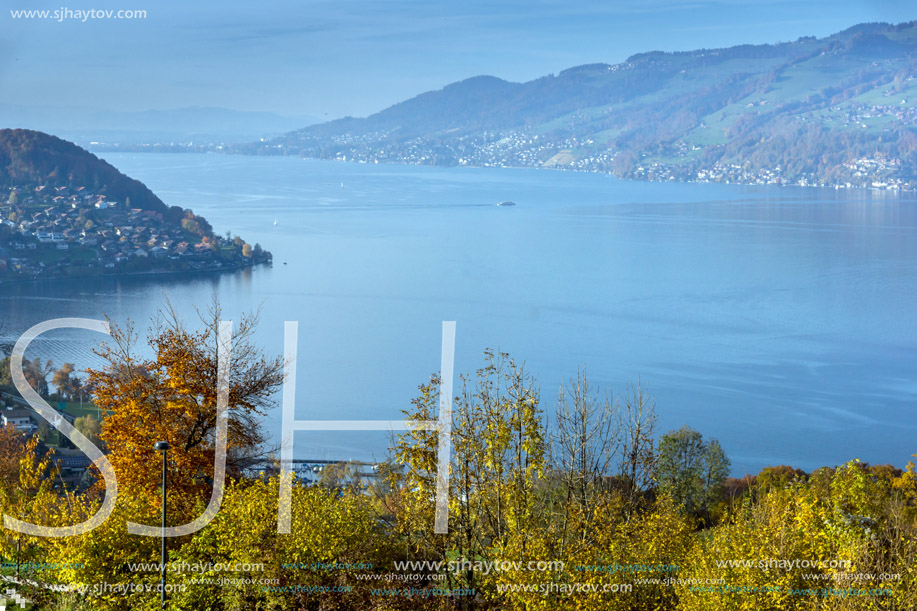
(21,419)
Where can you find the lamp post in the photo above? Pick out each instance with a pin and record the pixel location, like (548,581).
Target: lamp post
(163,446)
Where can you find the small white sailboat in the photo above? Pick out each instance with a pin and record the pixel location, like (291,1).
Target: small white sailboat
(276,222)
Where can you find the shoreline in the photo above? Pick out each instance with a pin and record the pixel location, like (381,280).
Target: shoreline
(209,271)
(833,187)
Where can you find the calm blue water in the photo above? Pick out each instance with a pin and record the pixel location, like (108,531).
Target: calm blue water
(778,320)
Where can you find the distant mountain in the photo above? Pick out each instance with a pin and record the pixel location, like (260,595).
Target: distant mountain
(197,125)
(837,110)
(30,158)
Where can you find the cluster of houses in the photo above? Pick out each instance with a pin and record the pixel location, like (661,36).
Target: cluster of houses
(53,231)
(860,115)
(682,158)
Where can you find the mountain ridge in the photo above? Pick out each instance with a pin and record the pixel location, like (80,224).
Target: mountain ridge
(685,115)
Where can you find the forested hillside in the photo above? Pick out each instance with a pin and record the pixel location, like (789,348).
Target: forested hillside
(31,158)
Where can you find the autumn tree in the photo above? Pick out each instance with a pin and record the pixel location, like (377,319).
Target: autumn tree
(659,534)
(191,225)
(12,446)
(35,371)
(31,498)
(843,520)
(779,476)
(172,396)
(36,374)
(62,379)
(342,476)
(499,456)
(328,527)
(414,482)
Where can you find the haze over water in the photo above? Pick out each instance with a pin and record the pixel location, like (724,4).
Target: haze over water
(778,320)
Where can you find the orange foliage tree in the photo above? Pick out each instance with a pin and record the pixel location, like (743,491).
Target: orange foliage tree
(172,396)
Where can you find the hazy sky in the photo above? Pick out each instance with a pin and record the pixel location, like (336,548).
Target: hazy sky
(330,59)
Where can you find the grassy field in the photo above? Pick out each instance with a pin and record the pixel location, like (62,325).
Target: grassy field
(890,95)
(76,410)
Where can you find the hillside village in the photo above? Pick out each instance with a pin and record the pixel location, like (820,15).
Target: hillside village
(837,111)
(48,231)
(679,161)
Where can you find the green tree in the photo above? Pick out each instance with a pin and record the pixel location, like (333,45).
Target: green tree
(691,470)
(89,426)
(43,431)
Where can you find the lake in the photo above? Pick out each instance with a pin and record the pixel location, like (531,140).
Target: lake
(778,320)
